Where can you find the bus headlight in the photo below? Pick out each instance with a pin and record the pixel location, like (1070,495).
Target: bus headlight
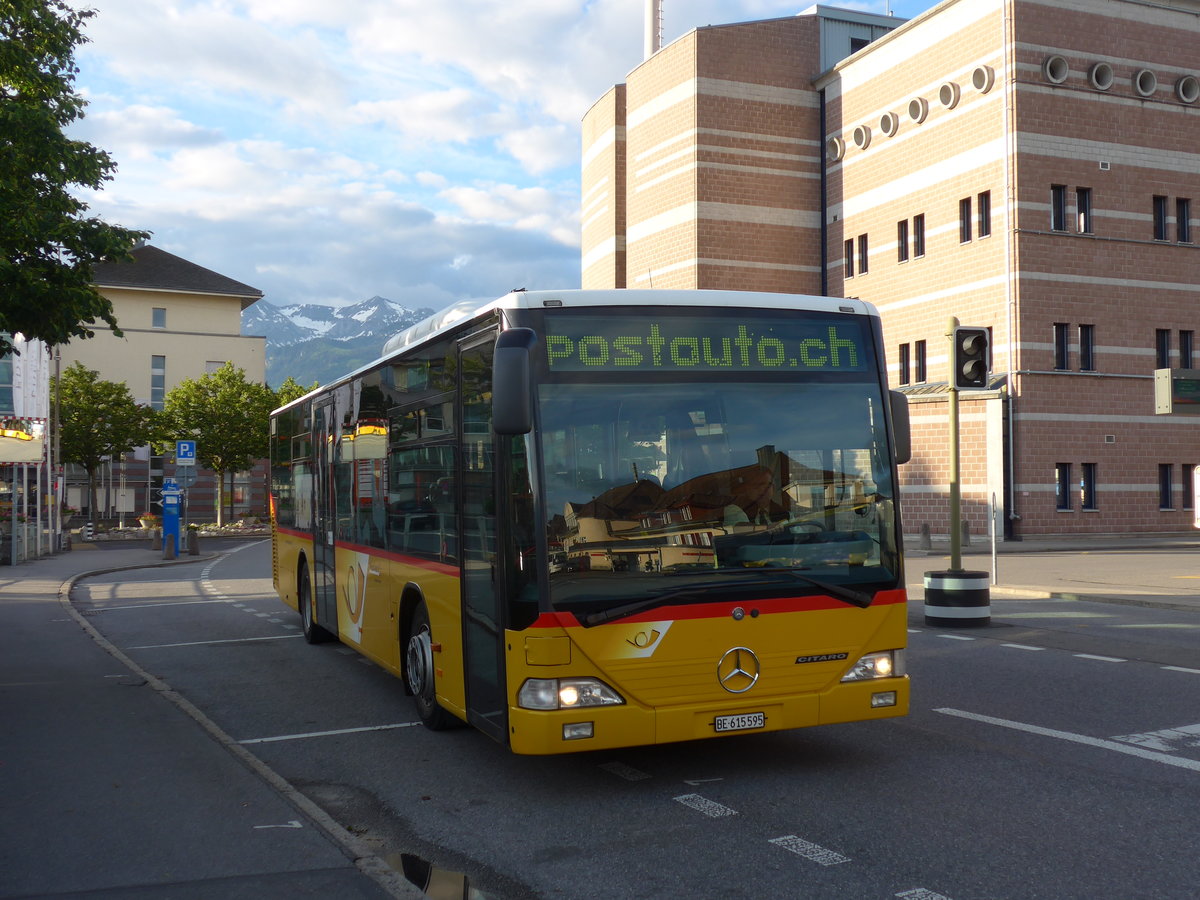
(566,693)
(886,664)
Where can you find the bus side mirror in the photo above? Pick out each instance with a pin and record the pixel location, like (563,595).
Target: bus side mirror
(901,431)
(512,403)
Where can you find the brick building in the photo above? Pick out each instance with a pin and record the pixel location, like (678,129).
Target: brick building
(1023,165)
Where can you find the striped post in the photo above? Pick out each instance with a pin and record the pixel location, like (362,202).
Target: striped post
(957,599)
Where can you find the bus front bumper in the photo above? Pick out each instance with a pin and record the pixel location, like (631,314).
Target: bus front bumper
(538,732)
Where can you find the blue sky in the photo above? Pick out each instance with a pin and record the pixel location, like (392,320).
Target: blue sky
(327,152)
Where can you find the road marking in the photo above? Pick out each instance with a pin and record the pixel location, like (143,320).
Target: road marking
(245,640)
(292,824)
(1168,740)
(815,852)
(1153,756)
(956,637)
(629,773)
(1099,658)
(314,734)
(695,781)
(922,894)
(1017,647)
(153,605)
(1059,615)
(1182,669)
(709,807)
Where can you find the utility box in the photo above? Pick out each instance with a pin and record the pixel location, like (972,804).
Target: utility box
(1177,392)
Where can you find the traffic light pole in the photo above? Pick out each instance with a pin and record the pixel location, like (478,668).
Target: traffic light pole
(955,488)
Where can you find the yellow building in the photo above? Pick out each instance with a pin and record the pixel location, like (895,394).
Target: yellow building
(178,320)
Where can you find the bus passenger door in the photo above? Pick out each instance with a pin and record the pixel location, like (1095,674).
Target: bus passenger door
(483,628)
(323,518)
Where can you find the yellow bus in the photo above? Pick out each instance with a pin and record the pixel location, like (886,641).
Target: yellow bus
(592,519)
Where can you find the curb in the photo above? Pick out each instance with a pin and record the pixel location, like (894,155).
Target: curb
(355,850)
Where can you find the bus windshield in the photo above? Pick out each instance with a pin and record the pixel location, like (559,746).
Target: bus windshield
(680,490)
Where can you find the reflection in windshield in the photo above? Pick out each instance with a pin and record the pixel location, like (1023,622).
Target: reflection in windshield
(648,487)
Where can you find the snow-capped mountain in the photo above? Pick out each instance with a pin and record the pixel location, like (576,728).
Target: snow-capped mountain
(318,343)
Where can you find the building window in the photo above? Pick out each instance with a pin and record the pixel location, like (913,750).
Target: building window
(857,43)
(984,213)
(862,254)
(904,369)
(848,250)
(1062,485)
(1165,476)
(1062,348)
(158,381)
(1058,207)
(964,220)
(919,235)
(902,240)
(1083,209)
(1160,217)
(919,367)
(158,317)
(1087,348)
(1186,344)
(1183,220)
(1162,348)
(1187,486)
(1087,487)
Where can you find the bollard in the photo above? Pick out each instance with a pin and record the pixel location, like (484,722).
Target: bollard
(957,599)
(193,542)
(926,540)
(155,538)
(87,531)
(168,549)
(966,533)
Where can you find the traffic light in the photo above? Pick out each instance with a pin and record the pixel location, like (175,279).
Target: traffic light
(971,358)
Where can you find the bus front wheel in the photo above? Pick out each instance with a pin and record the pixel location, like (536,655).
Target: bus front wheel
(418,671)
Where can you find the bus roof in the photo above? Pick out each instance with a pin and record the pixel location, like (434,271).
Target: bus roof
(466,310)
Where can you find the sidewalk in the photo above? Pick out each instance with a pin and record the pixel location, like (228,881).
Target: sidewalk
(1155,571)
(111,785)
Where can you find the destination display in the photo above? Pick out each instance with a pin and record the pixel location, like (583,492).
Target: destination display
(707,343)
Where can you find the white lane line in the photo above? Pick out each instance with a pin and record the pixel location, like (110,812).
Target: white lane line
(814,852)
(709,807)
(244,640)
(956,637)
(1017,647)
(315,734)
(1182,669)
(922,894)
(1168,740)
(1099,658)
(153,605)
(1153,756)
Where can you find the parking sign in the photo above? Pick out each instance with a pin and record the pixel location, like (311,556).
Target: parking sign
(185,453)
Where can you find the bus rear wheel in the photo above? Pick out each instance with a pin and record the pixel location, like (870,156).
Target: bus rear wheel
(418,672)
(313,633)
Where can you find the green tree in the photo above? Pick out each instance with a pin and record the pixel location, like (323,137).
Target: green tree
(226,415)
(291,390)
(98,420)
(48,246)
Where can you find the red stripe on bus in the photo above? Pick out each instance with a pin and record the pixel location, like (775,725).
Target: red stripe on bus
(724,609)
(415,561)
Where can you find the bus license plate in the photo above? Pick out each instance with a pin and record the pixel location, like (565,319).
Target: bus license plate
(741,722)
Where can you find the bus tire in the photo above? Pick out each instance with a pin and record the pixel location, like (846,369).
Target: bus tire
(418,672)
(313,633)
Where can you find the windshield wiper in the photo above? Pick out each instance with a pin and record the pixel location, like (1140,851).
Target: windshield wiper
(837,591)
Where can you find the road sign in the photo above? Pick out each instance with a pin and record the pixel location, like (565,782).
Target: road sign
(185,453)
(169,485)
(186,476)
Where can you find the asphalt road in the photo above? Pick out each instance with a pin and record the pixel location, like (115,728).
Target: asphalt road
(1055,754)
